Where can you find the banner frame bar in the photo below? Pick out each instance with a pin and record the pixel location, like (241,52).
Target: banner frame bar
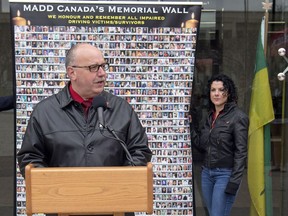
(108,2)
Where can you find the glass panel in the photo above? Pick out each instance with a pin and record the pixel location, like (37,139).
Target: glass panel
(227,44)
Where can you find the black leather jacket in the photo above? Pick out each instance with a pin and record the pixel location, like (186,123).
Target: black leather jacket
(7,102)
(225,145)
(58,135)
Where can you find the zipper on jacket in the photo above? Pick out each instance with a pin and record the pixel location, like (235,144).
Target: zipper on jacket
(209,150)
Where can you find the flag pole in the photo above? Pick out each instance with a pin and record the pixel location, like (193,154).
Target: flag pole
(266,15)
(267,131)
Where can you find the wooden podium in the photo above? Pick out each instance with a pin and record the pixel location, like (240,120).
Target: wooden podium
(89,190)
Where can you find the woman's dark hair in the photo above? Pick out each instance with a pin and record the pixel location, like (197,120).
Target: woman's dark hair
(229,87)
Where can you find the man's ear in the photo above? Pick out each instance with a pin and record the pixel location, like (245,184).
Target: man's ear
(71,73)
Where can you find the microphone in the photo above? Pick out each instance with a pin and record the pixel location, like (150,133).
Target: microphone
(99,103)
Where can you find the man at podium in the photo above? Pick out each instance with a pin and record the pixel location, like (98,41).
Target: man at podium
(83,125)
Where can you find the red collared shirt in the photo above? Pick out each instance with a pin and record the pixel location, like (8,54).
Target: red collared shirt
(76,97)
(214,117)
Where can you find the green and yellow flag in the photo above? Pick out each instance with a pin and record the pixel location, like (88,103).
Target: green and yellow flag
(260,114)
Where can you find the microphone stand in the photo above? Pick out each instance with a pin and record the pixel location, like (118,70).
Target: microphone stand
(123,144)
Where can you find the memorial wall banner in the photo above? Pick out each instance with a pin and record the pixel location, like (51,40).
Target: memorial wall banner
(150,47)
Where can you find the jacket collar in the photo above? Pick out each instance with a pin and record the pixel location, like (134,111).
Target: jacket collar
(64,97)
(227,107)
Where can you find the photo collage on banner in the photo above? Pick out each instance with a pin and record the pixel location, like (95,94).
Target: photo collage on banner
(151,54)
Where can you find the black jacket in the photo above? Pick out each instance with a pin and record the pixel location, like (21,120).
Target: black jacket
(58,135)
(225,145)
(7,102)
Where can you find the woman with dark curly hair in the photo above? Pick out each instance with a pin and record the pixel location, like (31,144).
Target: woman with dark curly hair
(223,142)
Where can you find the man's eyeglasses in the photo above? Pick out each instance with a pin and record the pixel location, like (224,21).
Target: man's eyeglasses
(95,67)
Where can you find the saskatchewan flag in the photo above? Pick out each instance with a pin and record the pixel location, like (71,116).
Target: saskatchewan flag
(260,114)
